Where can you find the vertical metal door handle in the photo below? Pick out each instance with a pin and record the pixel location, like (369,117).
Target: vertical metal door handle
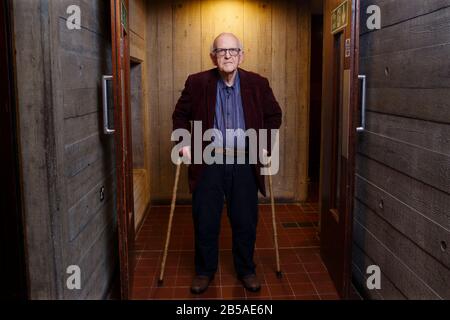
(106,128)
(363,103)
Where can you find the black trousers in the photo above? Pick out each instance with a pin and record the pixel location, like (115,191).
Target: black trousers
(237,184)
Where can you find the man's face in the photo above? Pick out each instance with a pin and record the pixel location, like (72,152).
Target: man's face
(227,62)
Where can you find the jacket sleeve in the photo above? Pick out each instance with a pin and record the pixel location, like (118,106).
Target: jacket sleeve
(182,115)
(272,112)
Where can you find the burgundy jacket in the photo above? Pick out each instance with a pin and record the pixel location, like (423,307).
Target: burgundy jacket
(198,103)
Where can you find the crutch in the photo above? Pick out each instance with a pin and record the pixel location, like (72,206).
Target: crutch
(275,234)
(169,228)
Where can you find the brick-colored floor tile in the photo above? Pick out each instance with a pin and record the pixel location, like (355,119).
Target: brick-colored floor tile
(315,267)
(183,281)
(280,290)
(298,278)
(139,293)
(303,289)
(307,297)
(233,292)
(164,293)
(325,287)
(272,278)
(304,275)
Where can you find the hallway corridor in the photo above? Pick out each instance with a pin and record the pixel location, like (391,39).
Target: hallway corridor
(304,275)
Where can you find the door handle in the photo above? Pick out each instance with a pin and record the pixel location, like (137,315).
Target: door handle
(362,128)
(106,128)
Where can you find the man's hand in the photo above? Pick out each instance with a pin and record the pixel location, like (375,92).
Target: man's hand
(266,153)
(186,152)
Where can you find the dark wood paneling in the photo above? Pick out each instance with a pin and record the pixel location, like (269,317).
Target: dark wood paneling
(431,136)
(82,154)
(388,289)
(434,275)
(425,31)
(432,203)
(424,165)
(93,19)
(65,155)
(423,231)
(425,104)
(87,179)
(89,206)
(90,222)
(398,11)
(31,20)
(390,264)
(424,68)
(402,221)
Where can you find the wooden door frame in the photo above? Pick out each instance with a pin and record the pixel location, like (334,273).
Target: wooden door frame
(346,219)
(354,103)
(13,253)
(124,154)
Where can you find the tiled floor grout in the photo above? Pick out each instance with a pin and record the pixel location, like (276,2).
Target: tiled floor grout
(271,290)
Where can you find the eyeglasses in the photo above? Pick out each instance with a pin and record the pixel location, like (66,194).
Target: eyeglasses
(221,52)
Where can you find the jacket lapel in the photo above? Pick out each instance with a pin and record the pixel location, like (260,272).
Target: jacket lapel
(211,97)
(247,102)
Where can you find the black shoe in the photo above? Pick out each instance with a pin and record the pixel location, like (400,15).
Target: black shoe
(200,284)
(251,283)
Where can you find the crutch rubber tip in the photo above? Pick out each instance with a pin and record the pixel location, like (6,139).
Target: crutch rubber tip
(279,274)
(160,283)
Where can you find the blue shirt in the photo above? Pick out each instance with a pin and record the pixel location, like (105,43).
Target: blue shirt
(229,114)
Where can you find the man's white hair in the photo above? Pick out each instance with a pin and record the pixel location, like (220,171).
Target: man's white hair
(214,47)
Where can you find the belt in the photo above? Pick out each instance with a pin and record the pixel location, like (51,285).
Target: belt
(230,152)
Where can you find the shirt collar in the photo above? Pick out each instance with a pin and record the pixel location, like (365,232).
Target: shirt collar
(237,81)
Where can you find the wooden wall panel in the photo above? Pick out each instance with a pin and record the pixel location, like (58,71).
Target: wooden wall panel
(276,38)
(187,18)
(77,158)
(279,74)
(360,264)
(89,222)
(303,86)
(34,135)
(141,135)
(431,272)
(390,264)
(425,233)
(137,115)
(401,11)
(402,222)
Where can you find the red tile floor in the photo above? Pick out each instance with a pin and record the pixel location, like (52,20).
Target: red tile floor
(304,274)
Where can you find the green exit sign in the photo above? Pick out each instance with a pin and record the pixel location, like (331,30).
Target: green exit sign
(339,17)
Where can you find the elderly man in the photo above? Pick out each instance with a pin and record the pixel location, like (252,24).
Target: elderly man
(225,98)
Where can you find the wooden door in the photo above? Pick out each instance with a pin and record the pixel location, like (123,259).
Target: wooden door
(340,105)
(122,132)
